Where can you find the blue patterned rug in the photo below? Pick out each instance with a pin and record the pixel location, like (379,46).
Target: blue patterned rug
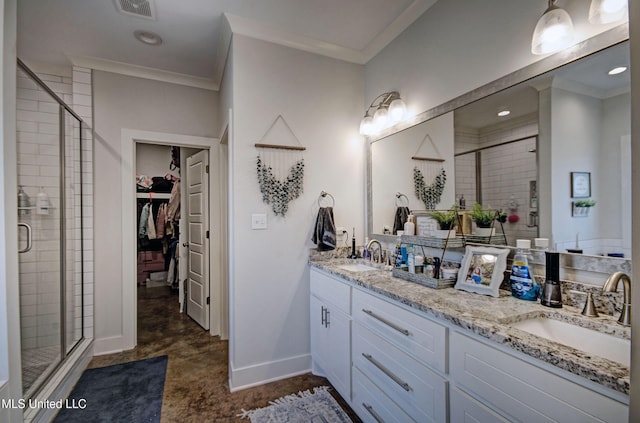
(127,392)
(315,407)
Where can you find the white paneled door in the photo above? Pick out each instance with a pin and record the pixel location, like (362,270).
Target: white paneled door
(198,238)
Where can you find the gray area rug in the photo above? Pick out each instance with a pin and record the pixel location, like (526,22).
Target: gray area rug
(315,407)
(128,392)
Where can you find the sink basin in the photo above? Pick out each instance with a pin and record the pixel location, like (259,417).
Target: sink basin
(356,267)
(587,340)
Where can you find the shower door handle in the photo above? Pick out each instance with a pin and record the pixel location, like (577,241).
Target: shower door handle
(29,238)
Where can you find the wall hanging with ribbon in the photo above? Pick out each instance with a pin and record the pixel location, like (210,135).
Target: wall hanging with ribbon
(280,166)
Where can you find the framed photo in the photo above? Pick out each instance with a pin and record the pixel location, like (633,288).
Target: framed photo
(482,270)
(580,184)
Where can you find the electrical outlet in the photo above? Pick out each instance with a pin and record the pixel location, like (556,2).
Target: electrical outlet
(340,231)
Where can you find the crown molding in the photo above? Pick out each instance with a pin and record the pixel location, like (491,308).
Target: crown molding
(254,29)
(144,72)
(257,30)
(402,22)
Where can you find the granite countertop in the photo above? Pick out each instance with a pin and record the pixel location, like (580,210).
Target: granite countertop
(492,318)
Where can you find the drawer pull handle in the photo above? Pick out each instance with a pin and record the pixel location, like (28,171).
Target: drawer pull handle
(372,412)
(323,318)
(387,372)
(386,322)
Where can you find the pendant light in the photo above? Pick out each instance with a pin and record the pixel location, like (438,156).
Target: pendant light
(607,11)
(554,31)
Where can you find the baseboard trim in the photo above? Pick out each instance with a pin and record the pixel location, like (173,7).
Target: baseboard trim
(259,374)
(60,385)
(109,345)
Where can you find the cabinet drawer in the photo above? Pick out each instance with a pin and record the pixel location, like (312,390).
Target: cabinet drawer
(521,391)
(465,409)
(332,290)
(421,393)
(417,335)
(372,405)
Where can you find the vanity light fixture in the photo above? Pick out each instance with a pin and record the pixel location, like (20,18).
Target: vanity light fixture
(554,31)
(618,70)
(390,109)
(607,11)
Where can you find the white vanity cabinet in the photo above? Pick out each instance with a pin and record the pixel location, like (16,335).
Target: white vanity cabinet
(330,323)
(519,390)
(400,354)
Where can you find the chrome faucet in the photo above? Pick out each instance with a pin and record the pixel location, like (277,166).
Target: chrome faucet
(611,285)
(369,244)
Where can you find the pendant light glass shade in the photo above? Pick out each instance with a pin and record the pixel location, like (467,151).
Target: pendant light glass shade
(381,118)
(607,11)
(397,110)
(554,31)
(366,125)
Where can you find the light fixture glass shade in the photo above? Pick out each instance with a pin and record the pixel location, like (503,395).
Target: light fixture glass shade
(607,11)
(380,119)
(554,31)
(366,126)
(397,110)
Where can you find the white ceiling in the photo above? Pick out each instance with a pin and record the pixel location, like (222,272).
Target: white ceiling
(52,31)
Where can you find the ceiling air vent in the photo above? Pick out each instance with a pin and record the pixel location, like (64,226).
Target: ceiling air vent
(140,8)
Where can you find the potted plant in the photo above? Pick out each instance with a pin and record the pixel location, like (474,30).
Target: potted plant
(447,221)
(483,218)
(581,207)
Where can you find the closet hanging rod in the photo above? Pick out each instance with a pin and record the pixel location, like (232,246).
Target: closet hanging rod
(428,159)
(281,147)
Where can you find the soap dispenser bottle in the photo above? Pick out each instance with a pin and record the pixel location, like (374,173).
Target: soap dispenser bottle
(410,226)
(551,294)
(523,284)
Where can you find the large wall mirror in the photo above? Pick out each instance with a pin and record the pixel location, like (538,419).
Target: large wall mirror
(565,140)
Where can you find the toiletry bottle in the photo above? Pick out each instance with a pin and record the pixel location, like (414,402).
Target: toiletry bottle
(409,226)
(398,262)
(418,261)
(42,202)
(366,254)
(551,294)
(411,259)
(462,204)
(523,284)
(24,202)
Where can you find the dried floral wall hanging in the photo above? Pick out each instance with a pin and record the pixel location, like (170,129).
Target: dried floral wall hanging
(280,168)
(429,194)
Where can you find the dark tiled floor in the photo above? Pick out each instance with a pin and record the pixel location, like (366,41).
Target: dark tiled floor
(196,387)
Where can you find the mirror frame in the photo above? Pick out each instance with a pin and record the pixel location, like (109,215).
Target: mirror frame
(583,49)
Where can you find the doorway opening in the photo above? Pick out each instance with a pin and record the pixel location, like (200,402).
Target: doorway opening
(134,145)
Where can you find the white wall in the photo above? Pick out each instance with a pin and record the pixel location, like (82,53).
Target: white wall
(321,100)
(634,35)
(134,103)
(10,379)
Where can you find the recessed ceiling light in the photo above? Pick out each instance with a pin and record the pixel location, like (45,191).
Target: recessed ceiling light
(503,113)
(148,37)
(617,70)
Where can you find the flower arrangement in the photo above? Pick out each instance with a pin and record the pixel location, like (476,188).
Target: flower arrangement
(429,195)
(447,220)
(481,216)
(585,203)
(280,194)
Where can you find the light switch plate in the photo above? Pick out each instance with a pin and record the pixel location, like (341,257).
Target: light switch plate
(259,221)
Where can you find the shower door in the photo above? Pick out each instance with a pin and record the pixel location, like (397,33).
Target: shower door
(50,229)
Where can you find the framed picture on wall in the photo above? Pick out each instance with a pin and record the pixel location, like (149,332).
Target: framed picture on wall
(580,184)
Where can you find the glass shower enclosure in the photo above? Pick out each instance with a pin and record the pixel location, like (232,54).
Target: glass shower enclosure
(49,143)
